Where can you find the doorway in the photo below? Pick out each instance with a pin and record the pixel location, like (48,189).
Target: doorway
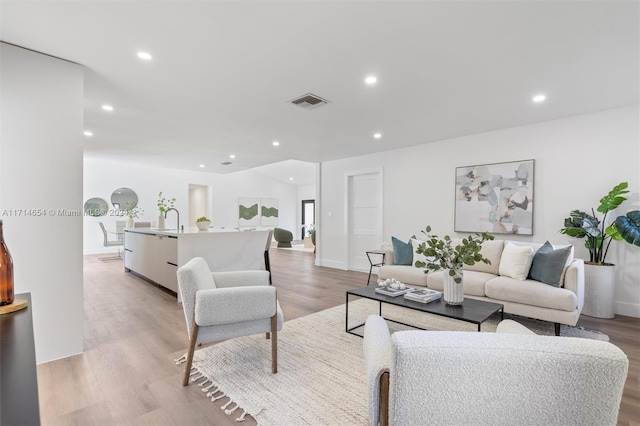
(364,222)
(308,217)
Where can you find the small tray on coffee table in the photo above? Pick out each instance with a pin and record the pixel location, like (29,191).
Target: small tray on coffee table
(471,310)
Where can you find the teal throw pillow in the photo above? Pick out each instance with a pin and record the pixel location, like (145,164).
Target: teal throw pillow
(548,264)
(402,252)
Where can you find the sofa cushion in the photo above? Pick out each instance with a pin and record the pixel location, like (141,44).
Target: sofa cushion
(405,274)
(516,261)
(473,282)
(549,265)
(530,292)
(402,252)
(536,246)
(492,250)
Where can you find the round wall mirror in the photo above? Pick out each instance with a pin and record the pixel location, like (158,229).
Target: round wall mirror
(124,199)
(95,207)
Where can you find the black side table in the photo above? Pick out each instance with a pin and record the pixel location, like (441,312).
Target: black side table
(371,262)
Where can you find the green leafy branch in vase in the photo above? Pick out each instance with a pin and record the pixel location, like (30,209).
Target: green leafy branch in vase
(441,254)
(165,204)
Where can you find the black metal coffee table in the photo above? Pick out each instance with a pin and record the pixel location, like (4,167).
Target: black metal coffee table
(471,310)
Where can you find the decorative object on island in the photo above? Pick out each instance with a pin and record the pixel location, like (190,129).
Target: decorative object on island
(599,276)
(203,223)
(132,212)
(440,254)
(6,272)
(496,198)
(164,204)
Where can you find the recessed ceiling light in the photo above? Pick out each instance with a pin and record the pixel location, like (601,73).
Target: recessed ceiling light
(202,166)
(107,107)
(144,55)
(88,133)
(539,98)
(372,79)
(377,135)
(232,156)
(290,178)
(275,143)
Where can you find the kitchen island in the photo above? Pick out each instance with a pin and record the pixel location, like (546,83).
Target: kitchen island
(156,254)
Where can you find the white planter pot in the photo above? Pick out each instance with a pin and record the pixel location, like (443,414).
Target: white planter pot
(161,221)
(599,291)
(129,223)
(453,292)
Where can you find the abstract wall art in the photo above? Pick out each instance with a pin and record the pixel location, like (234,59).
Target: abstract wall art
(495,198)
(248,212)
(268,211)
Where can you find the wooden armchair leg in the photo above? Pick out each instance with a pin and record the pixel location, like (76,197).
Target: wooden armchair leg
(192,348)
(384,399)
(274,343)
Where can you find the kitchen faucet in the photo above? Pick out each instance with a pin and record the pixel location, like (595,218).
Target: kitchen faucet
(178,213)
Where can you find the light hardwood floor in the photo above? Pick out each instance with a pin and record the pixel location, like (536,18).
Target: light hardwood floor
(134,331)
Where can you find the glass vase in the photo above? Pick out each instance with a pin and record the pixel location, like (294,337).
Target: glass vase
(453,291)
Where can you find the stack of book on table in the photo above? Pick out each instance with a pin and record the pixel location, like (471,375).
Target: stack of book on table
(393,292)
(423,295)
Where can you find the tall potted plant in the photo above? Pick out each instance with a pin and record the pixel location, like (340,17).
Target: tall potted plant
(599,276)
(442,255)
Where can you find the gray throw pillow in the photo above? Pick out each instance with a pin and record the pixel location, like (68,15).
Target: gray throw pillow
(548,264)
(402,252)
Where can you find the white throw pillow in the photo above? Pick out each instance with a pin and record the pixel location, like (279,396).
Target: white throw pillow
(516,261)
(421,257)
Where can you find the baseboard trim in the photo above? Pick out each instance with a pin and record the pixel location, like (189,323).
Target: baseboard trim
(627,309)
(331,264)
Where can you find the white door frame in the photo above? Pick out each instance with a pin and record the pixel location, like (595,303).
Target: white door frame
(347,207)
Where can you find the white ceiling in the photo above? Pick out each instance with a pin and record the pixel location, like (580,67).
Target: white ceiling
(223,72)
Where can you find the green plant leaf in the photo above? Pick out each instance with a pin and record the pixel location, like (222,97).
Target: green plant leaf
(614,198)
(629,227)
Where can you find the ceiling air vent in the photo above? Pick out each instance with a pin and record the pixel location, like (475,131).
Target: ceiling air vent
(226,163)
(309,101)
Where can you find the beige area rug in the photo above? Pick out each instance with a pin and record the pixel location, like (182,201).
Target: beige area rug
(321,374)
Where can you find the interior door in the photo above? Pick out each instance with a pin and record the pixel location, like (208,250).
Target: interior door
(308,216)
(364,218)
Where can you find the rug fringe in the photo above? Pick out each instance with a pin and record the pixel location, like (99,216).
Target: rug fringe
(231,410)
(212,389)
(242,416)
(215,398)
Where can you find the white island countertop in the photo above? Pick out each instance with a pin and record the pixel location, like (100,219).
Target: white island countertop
(174,232)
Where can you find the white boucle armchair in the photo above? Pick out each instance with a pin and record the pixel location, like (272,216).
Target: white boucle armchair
(511,377)
(222,305)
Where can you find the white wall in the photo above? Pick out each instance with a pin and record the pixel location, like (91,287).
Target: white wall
(41,170)
(577,161)
(101,178)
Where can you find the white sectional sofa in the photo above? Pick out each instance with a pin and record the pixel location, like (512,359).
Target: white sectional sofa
(525,297)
